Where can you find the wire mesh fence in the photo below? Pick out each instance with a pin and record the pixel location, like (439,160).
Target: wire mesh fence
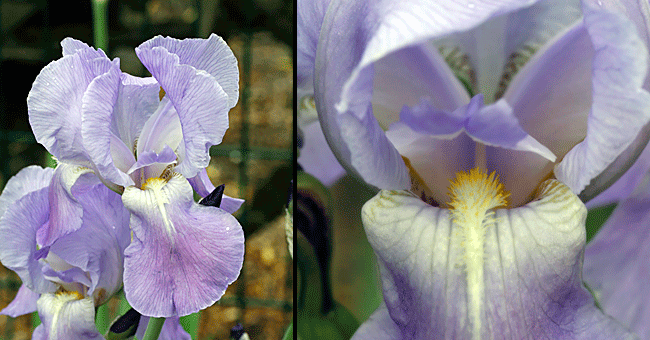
(254,160)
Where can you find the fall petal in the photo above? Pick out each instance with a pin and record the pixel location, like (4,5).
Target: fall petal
(23,303)
(183,255)
(532,267)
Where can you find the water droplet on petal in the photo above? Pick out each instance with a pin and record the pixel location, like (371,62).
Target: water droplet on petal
(227,228)
(471,5)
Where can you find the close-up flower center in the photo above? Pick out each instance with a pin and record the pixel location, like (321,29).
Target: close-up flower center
(447,107)
(474,195)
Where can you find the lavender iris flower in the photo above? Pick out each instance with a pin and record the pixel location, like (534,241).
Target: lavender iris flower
(149,139)
(66,280)
(415,94)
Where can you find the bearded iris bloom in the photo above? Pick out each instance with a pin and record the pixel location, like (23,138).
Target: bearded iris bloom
(66,280)
(549,95)
(149,139)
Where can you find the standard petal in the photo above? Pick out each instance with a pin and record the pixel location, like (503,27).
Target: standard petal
(137,101)
(183,255)
(490,46)
(100,142)
(359,34)
(23,303)
(111,127)
(519,171)
(116,107)
(552,94)
(19,251)
(315,156)
(532,264)
(199,100)
(372,155)
(211,55)
(639,13)
(28,179)
(308,22)
(620,106)
(171,329)
(55,102)
(71,46)
(65,210)
(68,316)
(163,128)
(450,155)
(625,185)
(412,74)
(616,266)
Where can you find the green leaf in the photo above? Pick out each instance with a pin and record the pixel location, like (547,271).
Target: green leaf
(191,324)
(125,326)
(596,218)
(288,335)
(154,328)
(338,324)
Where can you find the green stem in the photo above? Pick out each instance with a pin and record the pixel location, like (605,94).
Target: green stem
(101,319)
(191,324)
(124,305)
(154,328)
(310,293)
(288,335)
(100,24)
(36,320)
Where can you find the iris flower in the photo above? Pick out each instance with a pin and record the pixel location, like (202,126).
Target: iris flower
(79,271)
(149,139)
(520,105)
(66,280)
